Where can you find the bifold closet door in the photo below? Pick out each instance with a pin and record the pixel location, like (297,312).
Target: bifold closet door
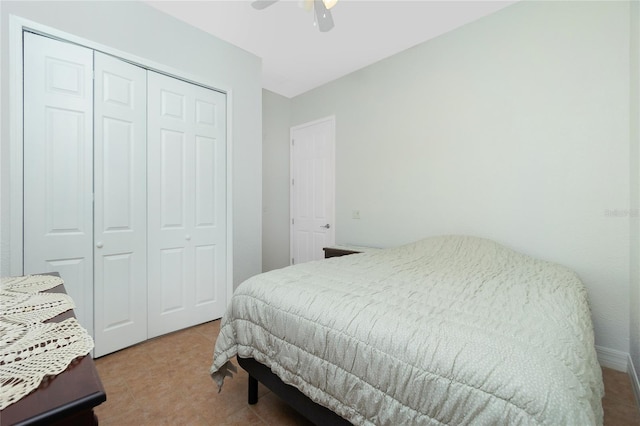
(120,216)
(58,166)
(186,204)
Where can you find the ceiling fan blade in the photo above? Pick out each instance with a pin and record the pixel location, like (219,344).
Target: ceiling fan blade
(323,16)
(262,4)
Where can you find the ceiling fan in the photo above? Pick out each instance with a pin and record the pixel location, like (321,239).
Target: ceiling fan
(323,17)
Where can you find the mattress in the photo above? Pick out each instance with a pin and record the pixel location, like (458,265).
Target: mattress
(448,330)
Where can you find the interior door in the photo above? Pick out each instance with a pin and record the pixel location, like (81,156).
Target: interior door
(58,166)
(312,190)
(120,217)
(186,204)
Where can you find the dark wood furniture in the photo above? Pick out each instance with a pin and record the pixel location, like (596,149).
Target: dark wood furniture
(316,413)
(65,399)
(336,252)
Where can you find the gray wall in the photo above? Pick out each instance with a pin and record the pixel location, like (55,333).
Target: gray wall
(276,112)
(137,29)
(515,127)
(634,299)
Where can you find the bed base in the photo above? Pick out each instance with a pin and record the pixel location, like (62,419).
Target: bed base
(315,413)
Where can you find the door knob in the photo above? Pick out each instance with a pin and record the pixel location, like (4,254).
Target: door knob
(99,244)
(327,226)
(187,237)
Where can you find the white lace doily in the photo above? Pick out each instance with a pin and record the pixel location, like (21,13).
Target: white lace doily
(30,283)
(38,351)
(31,350)
(30,308)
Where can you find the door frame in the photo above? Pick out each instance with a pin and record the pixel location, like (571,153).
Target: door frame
(332,121)
(17,25)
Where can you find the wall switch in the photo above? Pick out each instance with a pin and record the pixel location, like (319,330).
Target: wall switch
(355,214)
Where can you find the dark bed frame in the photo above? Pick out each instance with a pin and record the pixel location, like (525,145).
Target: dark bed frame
(315,413)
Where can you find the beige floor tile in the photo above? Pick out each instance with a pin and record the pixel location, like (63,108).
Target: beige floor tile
(133,417)
(119,399)
(208,330)
(274,411)
(618,386)
(243,417)
(620,414)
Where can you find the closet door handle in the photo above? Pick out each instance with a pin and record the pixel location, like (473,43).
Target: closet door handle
(187,237)
(99,244)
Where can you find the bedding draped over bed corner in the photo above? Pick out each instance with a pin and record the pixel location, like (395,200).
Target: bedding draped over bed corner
(448,330)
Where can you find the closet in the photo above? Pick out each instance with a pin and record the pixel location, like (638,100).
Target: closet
(124,191)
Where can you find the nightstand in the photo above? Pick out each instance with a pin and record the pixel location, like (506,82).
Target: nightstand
(335,251)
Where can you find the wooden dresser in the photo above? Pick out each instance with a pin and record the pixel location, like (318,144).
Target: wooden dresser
(65,399)
(335,251)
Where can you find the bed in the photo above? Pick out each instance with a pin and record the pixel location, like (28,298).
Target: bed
(448,330)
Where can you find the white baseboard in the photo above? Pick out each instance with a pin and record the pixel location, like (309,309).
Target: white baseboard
(635,380)
(612,358)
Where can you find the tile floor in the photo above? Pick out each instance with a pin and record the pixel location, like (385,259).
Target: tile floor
(165,381)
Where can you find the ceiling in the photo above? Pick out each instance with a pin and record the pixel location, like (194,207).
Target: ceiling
(296,57)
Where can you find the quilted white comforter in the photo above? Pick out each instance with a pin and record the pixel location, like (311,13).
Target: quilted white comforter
(448,330)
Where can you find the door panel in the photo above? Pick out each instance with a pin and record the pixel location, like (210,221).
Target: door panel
(64,151)
(118,138)
(120,204)
(205,273)
(118,272)
(172,284)
(172,176)
(187,204)
(58,166)
(205,184)
(312,190)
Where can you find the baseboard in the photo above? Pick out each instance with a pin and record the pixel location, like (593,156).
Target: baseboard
(612,358)
(635,380)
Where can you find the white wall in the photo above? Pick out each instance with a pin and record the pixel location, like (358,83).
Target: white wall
(276,115)
(514,127)
(140,30)
(634,294)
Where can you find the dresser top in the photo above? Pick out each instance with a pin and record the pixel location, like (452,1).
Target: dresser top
(349,247)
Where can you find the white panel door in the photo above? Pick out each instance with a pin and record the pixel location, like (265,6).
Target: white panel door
(120,217)
(312,190)
(186,204)
(58,166)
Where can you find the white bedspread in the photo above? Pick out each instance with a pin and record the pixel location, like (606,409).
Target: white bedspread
(448,330)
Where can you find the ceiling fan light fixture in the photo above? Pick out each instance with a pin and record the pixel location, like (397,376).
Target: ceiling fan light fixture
(322,16)
(306,4)
(329,3)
